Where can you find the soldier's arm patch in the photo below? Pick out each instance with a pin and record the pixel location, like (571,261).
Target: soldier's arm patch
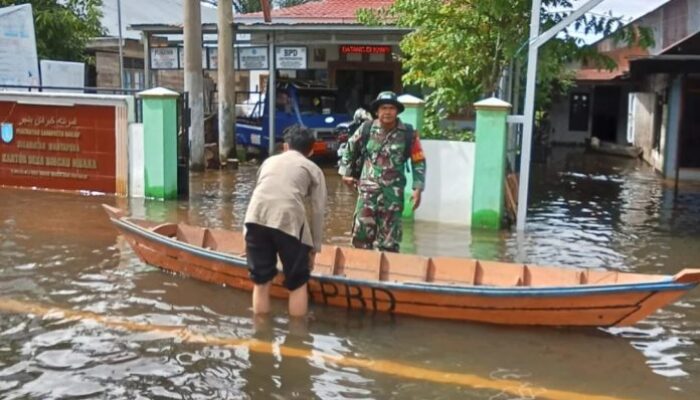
(417,150)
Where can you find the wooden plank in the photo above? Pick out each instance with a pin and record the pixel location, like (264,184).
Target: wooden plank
(495,273)
(453,270)
(359,264)
(404,267)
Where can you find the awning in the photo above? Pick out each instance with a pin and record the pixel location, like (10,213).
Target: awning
(295,33)
(665,64)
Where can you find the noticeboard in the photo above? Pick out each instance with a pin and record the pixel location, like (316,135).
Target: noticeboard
(290,57)
(165,58)
(252,58)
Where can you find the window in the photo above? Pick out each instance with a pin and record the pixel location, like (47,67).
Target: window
(579,108)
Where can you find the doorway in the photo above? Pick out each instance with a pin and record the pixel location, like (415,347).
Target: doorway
(358,83)
(690,127)
(360,88)
(606,112)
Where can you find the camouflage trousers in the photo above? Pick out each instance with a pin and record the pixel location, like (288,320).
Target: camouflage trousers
(377,220)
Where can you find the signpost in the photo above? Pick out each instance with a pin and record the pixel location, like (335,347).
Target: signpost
(536,41)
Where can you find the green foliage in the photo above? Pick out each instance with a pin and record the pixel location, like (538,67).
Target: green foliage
(246,6)
(459,49)
(63,28)
(290,3)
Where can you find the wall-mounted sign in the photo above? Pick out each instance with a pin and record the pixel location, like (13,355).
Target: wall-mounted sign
(72,148)
(364,49)
(252,58)
(204,58)
(290,57)
(164,58)
(213,57)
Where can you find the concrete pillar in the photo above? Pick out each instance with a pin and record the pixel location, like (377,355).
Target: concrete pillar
(490,168)
(194,81)
(160,143)
(413,114)
(226,81)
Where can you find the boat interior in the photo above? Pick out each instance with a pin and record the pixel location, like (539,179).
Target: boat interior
(360,264)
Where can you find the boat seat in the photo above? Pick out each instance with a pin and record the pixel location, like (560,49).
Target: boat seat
(190,234)
(404,267)
(326,260)
(225,241)
(451,270)
(494,273)
(167,229)
(553,276)
(359,264)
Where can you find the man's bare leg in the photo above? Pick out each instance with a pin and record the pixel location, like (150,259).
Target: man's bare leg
(298,301)
(261,298)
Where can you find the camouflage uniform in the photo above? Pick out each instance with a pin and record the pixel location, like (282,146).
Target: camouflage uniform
(377,219)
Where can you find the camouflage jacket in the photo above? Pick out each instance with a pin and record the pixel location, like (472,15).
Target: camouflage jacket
(382,159)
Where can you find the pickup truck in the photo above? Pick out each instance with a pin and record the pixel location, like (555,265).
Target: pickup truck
(297,102)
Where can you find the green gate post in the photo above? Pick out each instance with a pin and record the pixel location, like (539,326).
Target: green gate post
(160,142)
(413,114)
(490,163)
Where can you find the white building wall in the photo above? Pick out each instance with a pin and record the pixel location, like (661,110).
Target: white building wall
(449,182)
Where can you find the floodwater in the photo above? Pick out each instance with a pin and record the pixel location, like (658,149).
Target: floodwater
(82,317)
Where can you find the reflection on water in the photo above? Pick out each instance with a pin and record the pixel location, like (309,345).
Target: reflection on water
(59,251)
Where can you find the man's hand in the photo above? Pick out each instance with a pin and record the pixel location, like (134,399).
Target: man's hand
(416,199)
(350,182)
(312,259)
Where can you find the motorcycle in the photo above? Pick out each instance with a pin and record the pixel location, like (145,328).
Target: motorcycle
(344,130)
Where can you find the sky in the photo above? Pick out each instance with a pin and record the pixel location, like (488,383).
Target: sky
(628,10)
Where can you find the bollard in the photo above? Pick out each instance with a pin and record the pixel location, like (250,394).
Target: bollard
(490,163)
(160,143)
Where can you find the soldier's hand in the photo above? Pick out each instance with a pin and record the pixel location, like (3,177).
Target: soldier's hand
(350,181)
(416,199)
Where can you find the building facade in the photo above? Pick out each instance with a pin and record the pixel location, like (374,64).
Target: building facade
(650,100)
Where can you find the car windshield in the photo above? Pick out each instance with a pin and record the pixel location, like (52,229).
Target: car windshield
(318,102)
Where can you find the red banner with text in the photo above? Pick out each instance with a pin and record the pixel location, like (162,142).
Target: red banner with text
(58,146)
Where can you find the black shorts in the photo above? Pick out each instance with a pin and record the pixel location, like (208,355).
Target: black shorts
(263,244)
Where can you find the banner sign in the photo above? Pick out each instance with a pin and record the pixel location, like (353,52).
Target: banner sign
(70,148)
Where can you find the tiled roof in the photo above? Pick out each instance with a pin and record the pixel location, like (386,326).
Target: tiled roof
(321,11)
(622,57)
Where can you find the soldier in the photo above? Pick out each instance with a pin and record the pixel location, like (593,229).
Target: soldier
(374,163)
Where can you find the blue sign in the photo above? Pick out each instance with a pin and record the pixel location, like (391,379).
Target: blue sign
(8,132)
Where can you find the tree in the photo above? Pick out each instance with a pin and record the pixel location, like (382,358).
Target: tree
(459,49)
(290,3)
(63,28)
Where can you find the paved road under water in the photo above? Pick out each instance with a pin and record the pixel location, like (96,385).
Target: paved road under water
(81,317)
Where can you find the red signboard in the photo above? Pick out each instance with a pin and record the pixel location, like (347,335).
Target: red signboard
(364,49)
(58,146)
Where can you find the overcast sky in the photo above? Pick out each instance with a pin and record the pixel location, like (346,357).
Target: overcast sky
(629,10)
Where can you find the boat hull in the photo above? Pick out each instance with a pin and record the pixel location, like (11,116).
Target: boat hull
(600,306)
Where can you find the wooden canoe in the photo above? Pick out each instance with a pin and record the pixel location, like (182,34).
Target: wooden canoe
(432,287)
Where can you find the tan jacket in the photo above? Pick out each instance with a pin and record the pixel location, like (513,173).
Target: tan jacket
(285,182)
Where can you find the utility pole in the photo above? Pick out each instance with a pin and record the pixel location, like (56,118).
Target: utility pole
(121,45)
(194,81)
(226,81)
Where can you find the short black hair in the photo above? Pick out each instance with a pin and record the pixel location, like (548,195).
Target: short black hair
(299,138)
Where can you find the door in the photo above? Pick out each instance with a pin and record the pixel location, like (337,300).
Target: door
(606,110)
(690,127)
